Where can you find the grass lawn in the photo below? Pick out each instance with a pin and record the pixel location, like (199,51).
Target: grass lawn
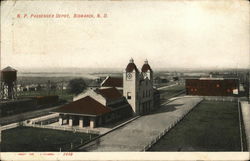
(170,91)
(36,139)
(211,126)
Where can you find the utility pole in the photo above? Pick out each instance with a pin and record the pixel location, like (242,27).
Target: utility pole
(62,88)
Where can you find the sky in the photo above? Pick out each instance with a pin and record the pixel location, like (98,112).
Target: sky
(169,34)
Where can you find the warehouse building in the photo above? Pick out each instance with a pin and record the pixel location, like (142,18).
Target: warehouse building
(212,86)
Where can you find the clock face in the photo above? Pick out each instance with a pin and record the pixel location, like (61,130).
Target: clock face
(129,75)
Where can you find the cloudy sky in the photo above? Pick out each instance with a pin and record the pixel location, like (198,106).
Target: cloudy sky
(170,34)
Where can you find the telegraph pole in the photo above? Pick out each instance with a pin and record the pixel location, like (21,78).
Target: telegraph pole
(48,87)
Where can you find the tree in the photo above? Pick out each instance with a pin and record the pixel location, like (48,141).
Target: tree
(176,78)
(76,86)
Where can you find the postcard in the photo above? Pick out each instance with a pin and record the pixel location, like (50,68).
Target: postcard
(125,80)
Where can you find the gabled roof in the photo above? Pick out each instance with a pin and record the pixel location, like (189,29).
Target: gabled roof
(84,106)
(113,82)
(109,93)
(9,69)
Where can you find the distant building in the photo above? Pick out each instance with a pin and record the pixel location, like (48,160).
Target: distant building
(212,86)
(160,80)
(116,98)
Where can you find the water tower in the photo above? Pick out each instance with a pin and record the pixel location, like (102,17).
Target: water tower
(8,83)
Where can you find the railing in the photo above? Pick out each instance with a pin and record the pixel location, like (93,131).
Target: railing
(240,128)
(64,128)
(173,124)
(10,126)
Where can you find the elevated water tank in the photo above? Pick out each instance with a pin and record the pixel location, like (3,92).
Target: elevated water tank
(8,75)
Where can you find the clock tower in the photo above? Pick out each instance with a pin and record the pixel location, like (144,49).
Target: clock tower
(131,77)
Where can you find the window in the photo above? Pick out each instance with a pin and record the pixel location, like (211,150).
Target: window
(129,95)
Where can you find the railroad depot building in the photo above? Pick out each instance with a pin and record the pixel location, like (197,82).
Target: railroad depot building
(116,98)
(212,86)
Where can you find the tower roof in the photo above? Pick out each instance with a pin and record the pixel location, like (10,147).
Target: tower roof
(146,67)
(9,69)
(131,66)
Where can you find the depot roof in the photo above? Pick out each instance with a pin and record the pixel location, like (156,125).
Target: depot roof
(84,106)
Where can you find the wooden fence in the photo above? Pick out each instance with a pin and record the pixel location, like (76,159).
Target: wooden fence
(64,128)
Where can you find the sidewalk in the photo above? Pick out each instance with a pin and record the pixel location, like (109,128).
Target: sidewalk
(168,86)
(245,108)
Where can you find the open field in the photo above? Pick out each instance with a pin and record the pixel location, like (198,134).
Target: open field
(23,139)
(63,94)
(211,126)
(43,79)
